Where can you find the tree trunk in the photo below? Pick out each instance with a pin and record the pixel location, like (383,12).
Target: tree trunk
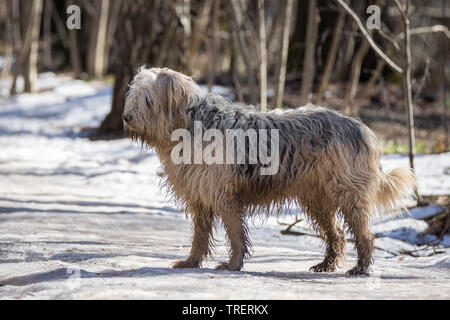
(14,7)
(97,40)
(134,48)
(342,66)
(168,35)
(331,58)
(48,8)
(75,58)
(309,62)
(111,30)
(183,11)
(213,63)
(8,39)
(97,61)
(61,27)
(93,23)
(235,66)
(368,87)
(444,79)
(35,23)
(274,36)
(262,56)
(279,93)
(407,88)
(237,24)
(199,30)
(27,62)
(352,85)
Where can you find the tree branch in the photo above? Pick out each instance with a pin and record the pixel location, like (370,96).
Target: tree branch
(429,29)
(391,40)
(369,39)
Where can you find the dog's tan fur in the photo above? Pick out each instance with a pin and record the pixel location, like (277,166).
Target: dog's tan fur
(329,166)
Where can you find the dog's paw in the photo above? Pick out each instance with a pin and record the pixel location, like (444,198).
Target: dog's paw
(358,271)
(228,266)
(185,264)
(323,267)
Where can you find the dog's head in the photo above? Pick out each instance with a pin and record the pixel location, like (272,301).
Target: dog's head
(156,104)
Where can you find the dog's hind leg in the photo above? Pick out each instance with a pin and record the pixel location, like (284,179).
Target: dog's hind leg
(237,232)
(357,219)
(334,237)
(203,221)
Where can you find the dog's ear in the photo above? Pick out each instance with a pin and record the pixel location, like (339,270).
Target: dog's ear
(174,91)
(168,88)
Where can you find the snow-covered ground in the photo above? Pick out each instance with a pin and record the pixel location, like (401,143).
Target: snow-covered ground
(84,219)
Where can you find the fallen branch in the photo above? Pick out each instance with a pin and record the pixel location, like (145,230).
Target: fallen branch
(291,225)
(289,232)
(431,244)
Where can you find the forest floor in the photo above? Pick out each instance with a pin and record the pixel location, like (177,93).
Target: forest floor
(83,219)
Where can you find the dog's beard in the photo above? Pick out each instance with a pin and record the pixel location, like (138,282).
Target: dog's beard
(139,137)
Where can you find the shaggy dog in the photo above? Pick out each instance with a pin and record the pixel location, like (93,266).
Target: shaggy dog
(329,165)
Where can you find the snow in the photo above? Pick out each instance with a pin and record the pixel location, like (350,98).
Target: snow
(426,212)
(433,171)
(84,219)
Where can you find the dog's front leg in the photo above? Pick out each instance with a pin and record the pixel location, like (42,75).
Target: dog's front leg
(237,233)
(201,240)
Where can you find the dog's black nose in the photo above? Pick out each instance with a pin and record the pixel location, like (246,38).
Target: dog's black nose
(126,117)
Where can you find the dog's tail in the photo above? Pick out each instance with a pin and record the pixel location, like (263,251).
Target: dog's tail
(394,189)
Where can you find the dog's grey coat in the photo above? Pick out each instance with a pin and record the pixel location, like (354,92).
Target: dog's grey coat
(295,127)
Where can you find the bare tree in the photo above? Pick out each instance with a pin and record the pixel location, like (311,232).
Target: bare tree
(393,47)
(237,24)
(347,51)
(234,64)
(168,35)
(111,29)
(309,63)
(352,85)
(214,45)
(27,62)
(183,10)
(262,56)
(47,43)
(367,36)
(200,25)
(8,37)
(61,27)
(75,58)
(96,55)
(135,48)
(279,93)
(275,22)
(405,71)
(331,57)
(444,78)
(407,79)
